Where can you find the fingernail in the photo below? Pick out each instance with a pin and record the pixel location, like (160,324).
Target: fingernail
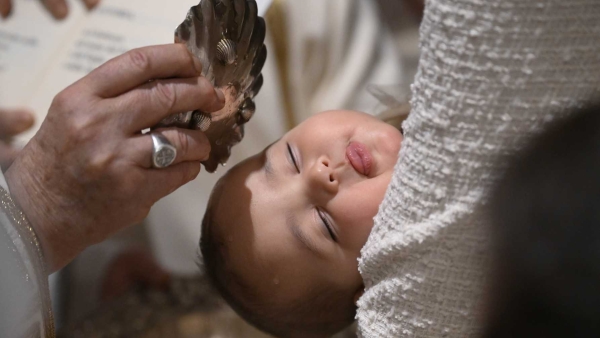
(5,12)
(207,156)
(20,120)
(197,64)
(91,3)
(61,10)
(25,119)
(220,95)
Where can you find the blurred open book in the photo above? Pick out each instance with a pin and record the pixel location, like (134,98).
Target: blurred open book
(39,56)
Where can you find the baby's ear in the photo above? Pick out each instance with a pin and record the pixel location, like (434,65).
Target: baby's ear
(359,294)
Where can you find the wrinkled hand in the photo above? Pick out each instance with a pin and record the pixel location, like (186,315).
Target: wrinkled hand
(58,8)
(12,123)
(88,172)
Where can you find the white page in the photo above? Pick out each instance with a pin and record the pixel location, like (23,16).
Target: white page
(29,40)
(113,28)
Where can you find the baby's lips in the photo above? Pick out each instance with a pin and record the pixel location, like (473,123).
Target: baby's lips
(360,158)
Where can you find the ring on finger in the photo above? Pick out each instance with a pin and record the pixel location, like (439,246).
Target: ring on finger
(163,152)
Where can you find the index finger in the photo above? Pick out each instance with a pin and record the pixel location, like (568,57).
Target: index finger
(138,66)
(58,8)
(5,8)
(14,121)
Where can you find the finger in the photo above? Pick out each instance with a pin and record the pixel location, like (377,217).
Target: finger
(139,66)
(167,180)
(5,8)
(91,3)
(191,145)
(14,121)
(154,101)
(58,8)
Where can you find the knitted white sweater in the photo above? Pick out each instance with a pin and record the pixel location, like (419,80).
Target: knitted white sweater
(492,73)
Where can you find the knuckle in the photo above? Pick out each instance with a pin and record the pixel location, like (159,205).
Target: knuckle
(206,88)
(184,144)
(99,163)
(80,128)
(165,94)
(76,123)
(97,168)
(62,102)
(139,60)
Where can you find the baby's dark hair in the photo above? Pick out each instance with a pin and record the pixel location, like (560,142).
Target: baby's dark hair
(319,315)
(546,227)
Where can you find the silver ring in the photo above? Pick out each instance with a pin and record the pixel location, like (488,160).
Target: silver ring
(163,152)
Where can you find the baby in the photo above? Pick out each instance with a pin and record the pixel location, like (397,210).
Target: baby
(283,229)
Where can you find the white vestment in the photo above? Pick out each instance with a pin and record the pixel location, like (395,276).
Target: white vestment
(492,73)
(25,309)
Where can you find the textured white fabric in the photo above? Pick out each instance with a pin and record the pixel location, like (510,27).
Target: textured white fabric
(491,74)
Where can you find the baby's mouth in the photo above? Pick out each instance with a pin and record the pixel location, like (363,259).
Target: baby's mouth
(360,158)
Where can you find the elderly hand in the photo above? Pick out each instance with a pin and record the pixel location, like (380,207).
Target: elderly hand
(12,123)
(88,172)
(58,8)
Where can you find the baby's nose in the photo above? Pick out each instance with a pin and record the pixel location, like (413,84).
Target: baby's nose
(323,177)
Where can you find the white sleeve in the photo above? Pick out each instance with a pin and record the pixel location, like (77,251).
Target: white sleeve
(3,184)
(25,309)
(491,74)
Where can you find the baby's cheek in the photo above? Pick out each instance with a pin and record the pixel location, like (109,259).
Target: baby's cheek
(356,224)
(358,207)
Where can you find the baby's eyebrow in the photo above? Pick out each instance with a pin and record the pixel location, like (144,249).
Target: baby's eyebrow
(300,235)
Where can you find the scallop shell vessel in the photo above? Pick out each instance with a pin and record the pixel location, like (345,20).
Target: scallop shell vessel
(228,37)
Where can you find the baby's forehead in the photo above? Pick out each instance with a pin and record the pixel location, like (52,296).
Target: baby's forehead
(230,199)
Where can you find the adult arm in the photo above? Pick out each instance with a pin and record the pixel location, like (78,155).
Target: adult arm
(491,74)
(87,173)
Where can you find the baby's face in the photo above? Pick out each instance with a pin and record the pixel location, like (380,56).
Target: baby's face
(300,211)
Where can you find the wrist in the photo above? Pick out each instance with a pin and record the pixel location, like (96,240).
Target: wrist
(41,210)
